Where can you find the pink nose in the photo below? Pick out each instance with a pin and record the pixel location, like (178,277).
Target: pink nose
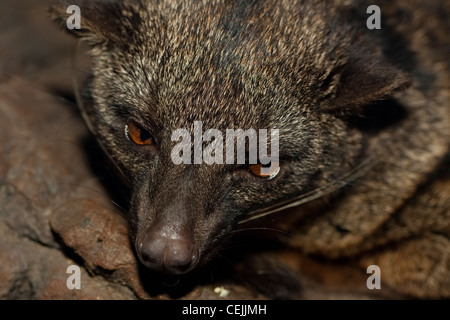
(173,256)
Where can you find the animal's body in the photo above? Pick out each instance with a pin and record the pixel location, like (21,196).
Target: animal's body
(363,118)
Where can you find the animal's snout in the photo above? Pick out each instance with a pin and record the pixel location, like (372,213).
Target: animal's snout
(173,255)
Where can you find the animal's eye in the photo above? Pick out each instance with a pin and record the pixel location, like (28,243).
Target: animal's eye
(137,134)
(266,171)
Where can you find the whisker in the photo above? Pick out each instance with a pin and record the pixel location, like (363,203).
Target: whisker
(80,71)
(122,210)
(211,273)
(171,285)
(329,188)
(61,126)
(263,229)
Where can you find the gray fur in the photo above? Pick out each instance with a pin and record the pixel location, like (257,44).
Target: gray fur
(310,69)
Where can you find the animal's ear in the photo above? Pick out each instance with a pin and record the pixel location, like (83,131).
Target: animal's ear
(366,77)
(99,19)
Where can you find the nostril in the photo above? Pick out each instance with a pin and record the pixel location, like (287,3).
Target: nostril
(159,253)
(180,256)
(150,251)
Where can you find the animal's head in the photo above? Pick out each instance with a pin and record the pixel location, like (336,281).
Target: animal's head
(161,66)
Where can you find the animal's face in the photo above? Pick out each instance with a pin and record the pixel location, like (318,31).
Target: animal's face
(293,66)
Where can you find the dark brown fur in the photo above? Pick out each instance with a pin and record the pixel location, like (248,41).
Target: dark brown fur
(342,96)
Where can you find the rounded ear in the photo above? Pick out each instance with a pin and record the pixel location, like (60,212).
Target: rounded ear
(369,78)
(102,21)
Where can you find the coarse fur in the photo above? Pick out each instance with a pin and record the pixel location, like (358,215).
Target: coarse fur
(363,117)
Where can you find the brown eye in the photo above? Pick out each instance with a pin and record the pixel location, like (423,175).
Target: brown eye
(137,134)
(264,171)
